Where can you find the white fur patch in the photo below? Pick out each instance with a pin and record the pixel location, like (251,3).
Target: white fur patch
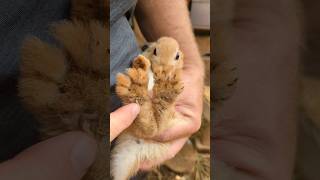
(130,152)
(151,80)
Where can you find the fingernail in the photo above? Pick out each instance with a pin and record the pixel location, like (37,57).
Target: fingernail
(135,109)
(83,154)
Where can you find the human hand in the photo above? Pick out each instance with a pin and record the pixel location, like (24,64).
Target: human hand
(189,103)
(189,107)
(67,156)
(122,118)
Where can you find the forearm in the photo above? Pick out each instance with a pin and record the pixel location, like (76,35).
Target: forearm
(255,132)
(170,18)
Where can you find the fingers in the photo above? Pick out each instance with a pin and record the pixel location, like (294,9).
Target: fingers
(175,147)
(184,129)
(122,118)
(67,156)
(189,106)
(188,124)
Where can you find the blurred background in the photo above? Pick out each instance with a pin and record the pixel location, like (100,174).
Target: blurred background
(307,165)
(308,155)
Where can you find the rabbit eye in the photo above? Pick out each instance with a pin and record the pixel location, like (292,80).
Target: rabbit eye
(155,51)
(177,56)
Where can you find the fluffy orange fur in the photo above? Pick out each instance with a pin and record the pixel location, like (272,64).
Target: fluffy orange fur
(162,64)
(66,87)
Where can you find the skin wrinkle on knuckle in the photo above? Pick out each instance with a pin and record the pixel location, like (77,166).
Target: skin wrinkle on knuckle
(248,139)
(230,126)
(256,165)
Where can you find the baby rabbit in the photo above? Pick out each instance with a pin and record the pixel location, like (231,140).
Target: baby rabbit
(154,82)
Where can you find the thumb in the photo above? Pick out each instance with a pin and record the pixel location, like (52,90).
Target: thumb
(122,118)
(65,157)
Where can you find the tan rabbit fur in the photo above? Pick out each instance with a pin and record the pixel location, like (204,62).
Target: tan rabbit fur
(66,86)
(154,82)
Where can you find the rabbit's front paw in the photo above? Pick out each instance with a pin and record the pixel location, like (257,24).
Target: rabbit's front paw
(132,87)
(66,86)
(168,83)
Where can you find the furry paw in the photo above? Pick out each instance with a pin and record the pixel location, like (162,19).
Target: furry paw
(168,84)
(141,62)
(132,87)
(66,86)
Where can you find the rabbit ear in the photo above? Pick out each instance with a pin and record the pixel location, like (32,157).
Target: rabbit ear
(148,49)
(145,47)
